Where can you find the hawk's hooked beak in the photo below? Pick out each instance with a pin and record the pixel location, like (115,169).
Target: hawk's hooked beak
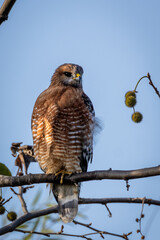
(77,78)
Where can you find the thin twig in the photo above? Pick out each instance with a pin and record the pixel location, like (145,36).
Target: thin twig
(139,82)
(124,236)
(141,216)
(27,188)
(2,202)
(98,231)
(20,196)
(110,214)
(14,191)
(127,185)
(23,203)
(151,83)
(25,231)
(58,233)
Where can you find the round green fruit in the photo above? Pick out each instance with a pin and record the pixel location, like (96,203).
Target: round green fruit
(11,216)
(2,210)
(130,93)
(137,117)
(130,101)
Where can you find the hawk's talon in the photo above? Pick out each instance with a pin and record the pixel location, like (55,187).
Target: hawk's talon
(62,172)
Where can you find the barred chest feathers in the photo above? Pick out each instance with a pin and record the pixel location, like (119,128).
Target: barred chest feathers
(67,131)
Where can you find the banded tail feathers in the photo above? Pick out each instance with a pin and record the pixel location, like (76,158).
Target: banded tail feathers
(67,198)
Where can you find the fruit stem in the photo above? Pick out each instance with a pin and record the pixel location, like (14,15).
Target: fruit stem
(133,110)
(139,82)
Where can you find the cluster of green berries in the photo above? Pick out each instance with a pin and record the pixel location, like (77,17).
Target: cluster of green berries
(11,215)
(130,101)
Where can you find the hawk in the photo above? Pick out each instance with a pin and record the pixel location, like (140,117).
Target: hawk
(63,122)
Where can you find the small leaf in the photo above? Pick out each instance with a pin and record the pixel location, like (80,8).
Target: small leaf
(4,170)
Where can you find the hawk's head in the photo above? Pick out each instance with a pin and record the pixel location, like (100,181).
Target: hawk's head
(68,75)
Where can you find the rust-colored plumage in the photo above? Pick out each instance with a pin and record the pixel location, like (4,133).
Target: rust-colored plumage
(62,128)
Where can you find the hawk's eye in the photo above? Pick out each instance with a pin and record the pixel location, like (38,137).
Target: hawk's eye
(67,74)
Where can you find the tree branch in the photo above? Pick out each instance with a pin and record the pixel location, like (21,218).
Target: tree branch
(32,232)
(6,181)
(151,83)
(104,201)
(26,217)
(124,236)
(5,9)
(20,196)
(85,236)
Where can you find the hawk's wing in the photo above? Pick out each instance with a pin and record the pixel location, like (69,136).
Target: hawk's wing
(43,116)
(87,152)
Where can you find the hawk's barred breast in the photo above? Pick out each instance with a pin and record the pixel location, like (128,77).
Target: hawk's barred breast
(62,128)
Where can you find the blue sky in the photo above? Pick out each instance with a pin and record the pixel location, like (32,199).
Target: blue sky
(116,42)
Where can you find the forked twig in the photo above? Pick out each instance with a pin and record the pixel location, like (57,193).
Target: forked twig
(124,236)
(20,196)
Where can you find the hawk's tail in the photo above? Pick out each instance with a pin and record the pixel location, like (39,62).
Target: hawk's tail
(67,198)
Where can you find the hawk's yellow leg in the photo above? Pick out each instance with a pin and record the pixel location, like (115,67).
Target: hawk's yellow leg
(62,172)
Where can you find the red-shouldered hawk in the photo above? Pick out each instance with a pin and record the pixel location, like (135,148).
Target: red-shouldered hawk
(63,120)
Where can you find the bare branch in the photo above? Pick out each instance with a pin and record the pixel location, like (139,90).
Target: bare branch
(110,214)
(57,233)
(139,220)
(6,181)
(118,200)
(3,202)
(98,231)
(26,217)
(151,83)
(25,231)
(5,9)
(23,203)
(20,196)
